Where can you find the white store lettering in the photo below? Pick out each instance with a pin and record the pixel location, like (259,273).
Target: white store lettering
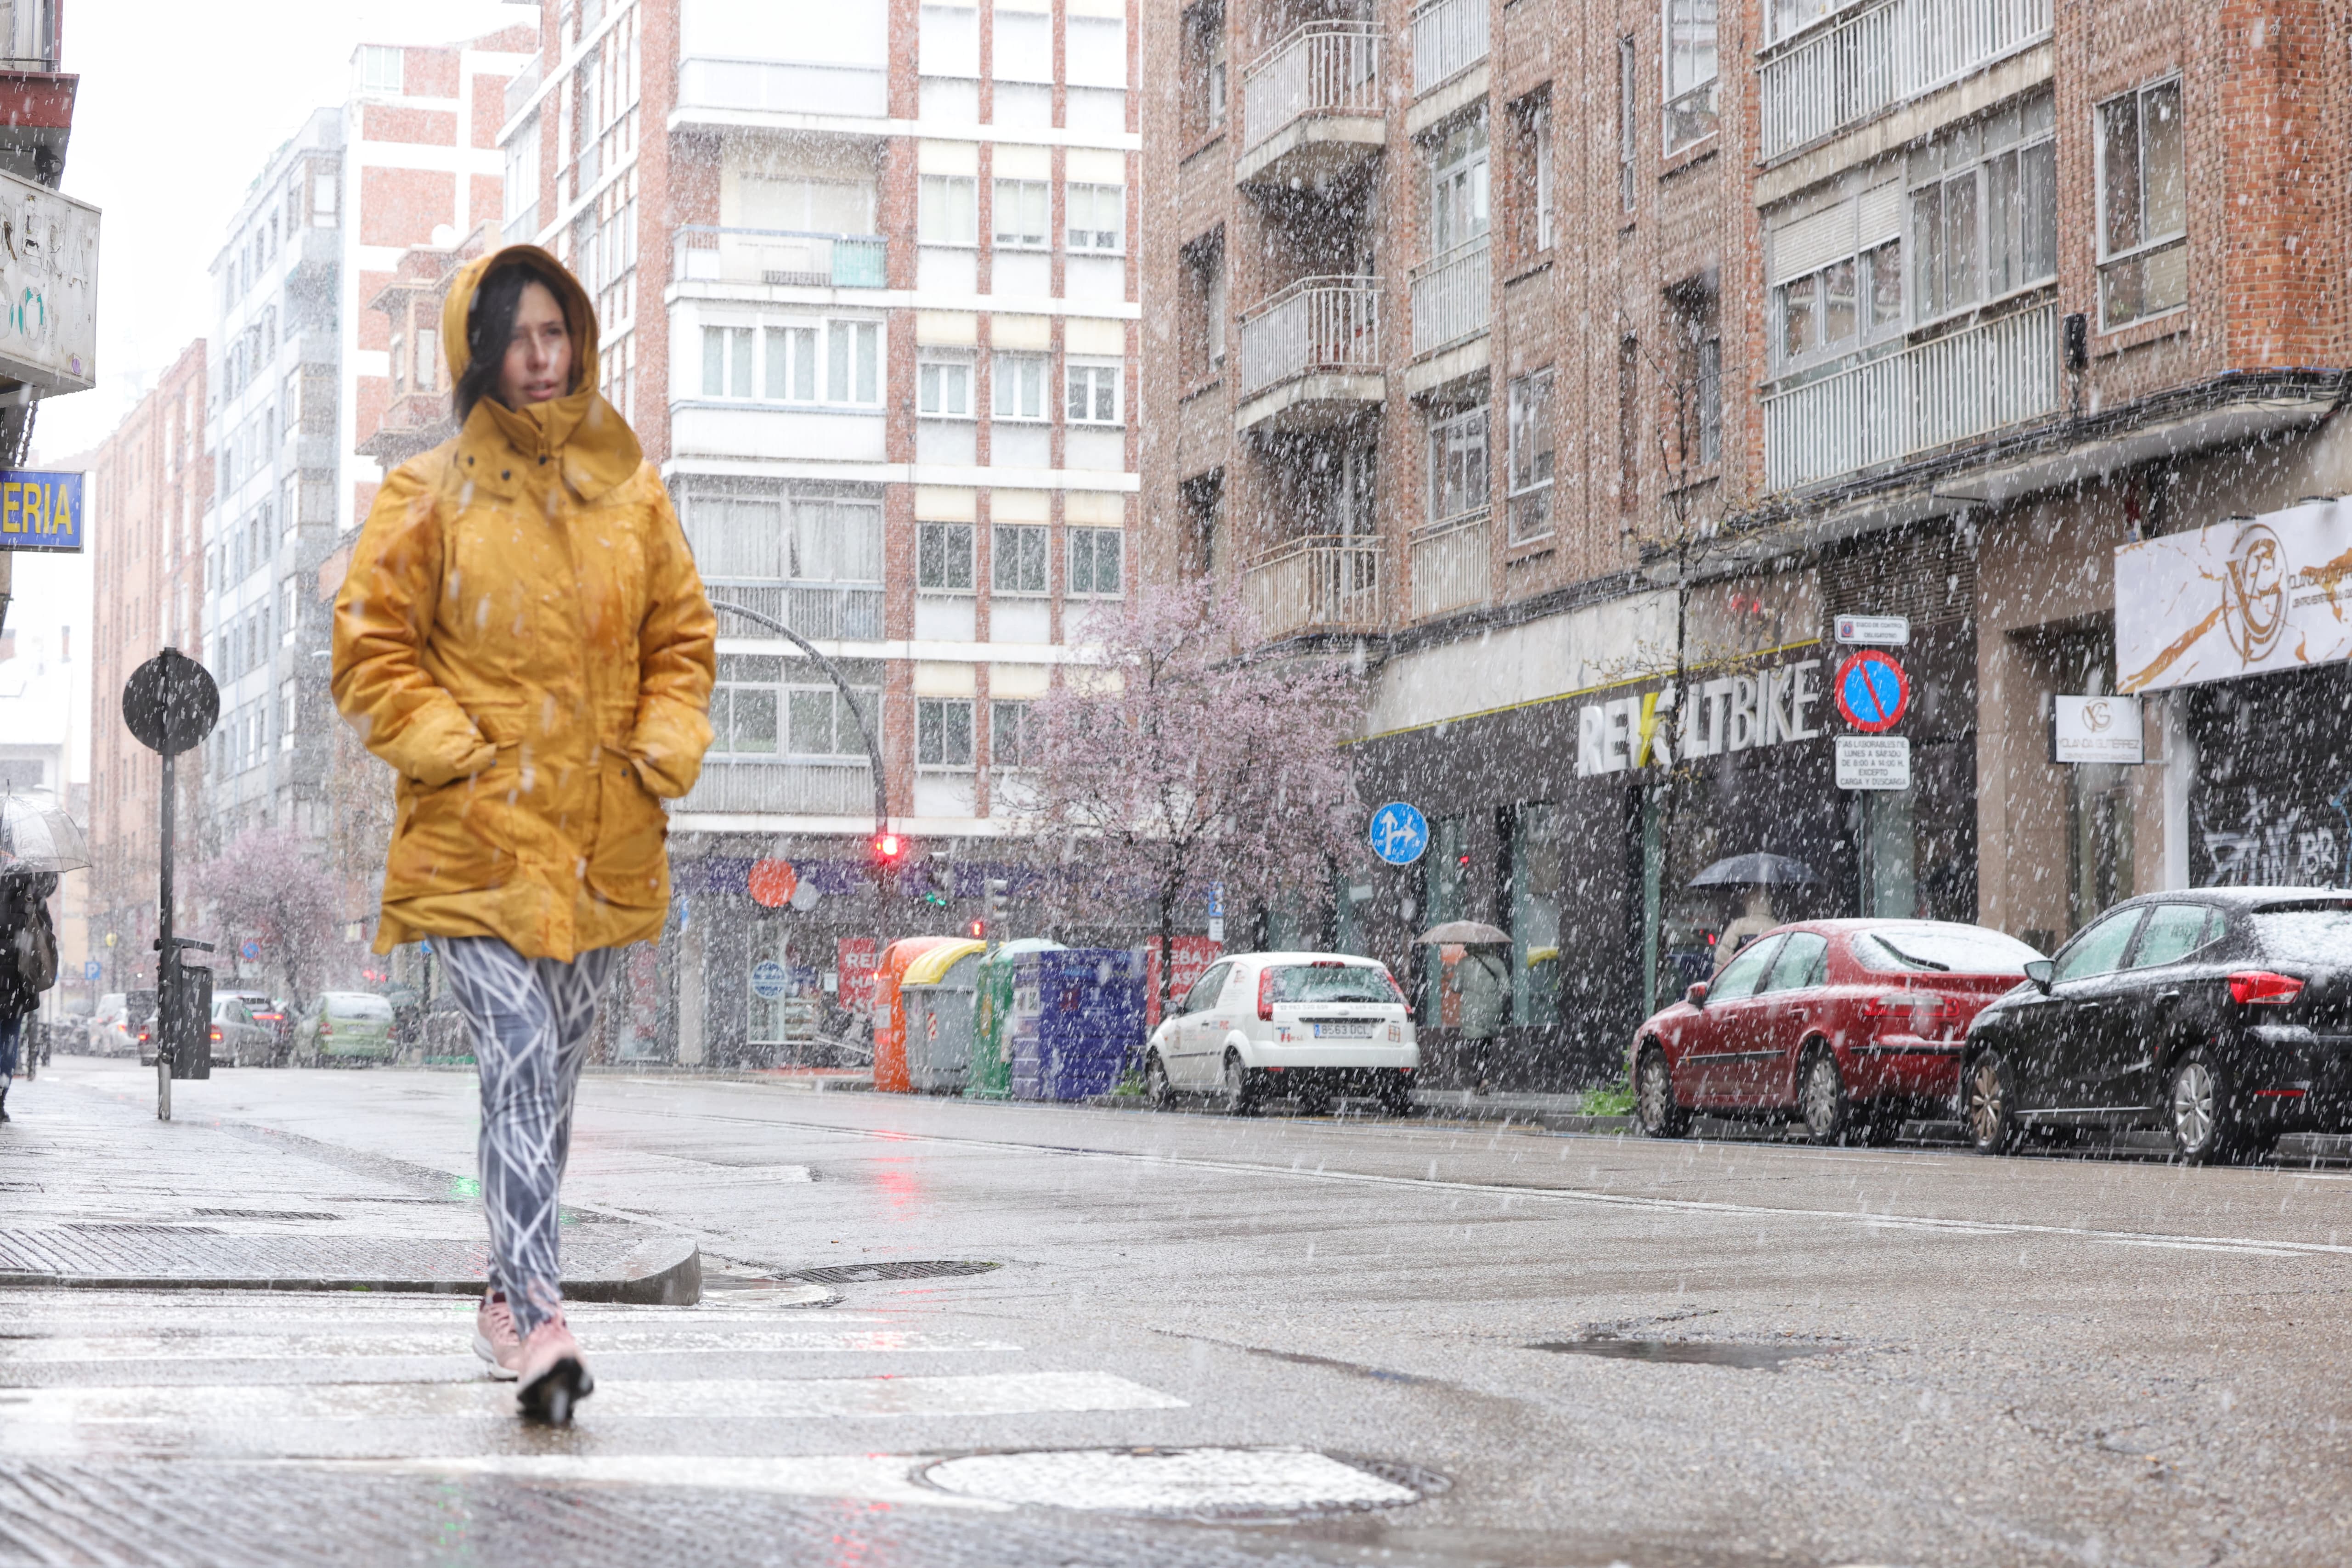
(1730,713)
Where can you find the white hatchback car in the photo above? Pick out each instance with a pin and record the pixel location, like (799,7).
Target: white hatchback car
(1309,1024)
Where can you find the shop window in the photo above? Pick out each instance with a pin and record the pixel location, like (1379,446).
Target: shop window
(943,557)
(1020,213)
(1690,73)
(2143,204)
(2098,839)
(1535,914)
(1017,559)
(1890,874)
(943,732)
(1445,870)
(1531,456)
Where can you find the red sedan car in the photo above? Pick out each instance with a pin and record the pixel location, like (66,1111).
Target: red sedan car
(1846,1023)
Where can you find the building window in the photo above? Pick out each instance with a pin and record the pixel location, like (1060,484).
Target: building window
(288,709)
(1097,217)
(792,364)
(942,732)
(2143,204)
(1458,187)
(1094,394)
(1535,136)
(1707,391)
(947,211)
(1457,466)
(1021,214)
(854,361)
(1094,563)
(1009,743)
(819,722)
(947,41)
(768,539)
(727,362)
(1791,17)
(943,557)
(1017,559)
(1690,71)
(1020,386)
(382,69)
(1531,456)
(1693,315)
(943,388)
(1984,210)
(755,712)
(1628,423)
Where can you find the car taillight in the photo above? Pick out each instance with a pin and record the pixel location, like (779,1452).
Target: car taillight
(1904,1004)
(325,1028)
(1394,990)
(2261,986)
(142,1037)
(1265,995)
(216,1034)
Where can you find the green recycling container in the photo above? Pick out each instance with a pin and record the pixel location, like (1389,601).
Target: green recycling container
(991,1077)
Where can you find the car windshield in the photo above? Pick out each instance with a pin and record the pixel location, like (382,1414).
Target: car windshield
(1330,983)
(1953,949)
(2319,936)
(358,1007)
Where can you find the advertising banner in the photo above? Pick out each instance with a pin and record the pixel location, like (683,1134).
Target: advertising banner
(40,512)
(2095,729)
(49,287)
(2240,597)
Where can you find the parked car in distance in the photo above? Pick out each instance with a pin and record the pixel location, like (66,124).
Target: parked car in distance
(344,1025)
(2222,1016)
(1845,1024)
(272,1015)
(237,1040)
(1312,1025)
(139,1025)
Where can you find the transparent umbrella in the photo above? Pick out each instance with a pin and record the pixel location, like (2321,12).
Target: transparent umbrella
(37,835)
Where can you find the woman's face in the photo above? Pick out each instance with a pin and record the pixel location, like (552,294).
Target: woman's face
(537,365)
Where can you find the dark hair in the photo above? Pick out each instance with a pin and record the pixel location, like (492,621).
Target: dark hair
(490,326)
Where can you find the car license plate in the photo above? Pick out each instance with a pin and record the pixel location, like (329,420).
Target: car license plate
(1343,1031)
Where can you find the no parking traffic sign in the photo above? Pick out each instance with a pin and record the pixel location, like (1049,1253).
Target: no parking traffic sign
(1872,691)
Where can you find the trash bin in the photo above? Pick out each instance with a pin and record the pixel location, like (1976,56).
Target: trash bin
(889,1011)
(935,993)
(1078,1019)
(992,1056)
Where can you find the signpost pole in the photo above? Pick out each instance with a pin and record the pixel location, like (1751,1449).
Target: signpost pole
(167,961)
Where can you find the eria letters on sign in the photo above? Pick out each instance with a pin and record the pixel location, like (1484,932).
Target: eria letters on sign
(1731,712)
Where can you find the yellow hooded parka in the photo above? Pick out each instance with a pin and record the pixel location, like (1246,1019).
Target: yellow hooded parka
(523,637)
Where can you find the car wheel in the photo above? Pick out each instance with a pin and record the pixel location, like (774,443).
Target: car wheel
(1156,1086)
(1989,1103)
(1654,1097)
(1821,1095)
(1238,1090)
(2200,1113)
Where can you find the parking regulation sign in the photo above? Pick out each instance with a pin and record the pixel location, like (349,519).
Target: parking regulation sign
(769,979)
(1399,832)
(1872,691)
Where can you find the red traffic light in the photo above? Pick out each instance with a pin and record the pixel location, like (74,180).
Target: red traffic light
(977,929)
(889,848)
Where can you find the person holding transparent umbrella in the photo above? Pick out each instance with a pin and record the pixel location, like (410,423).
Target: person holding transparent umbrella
(38,841)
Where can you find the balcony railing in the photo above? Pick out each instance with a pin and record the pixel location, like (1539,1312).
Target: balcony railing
(1843,74)
(704,253)
(1449,37)
(1317,325)
(522,86)
(1958,387)
(827,609)
(1321,584)
(1452,565)
(1323,68)
(807,789)
(1452,296)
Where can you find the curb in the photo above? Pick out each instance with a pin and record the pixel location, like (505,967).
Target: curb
(665,1271)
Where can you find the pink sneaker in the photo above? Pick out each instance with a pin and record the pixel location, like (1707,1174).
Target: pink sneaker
(495,1340)
(552,1377)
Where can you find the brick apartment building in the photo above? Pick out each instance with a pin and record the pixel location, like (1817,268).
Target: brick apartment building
(149,484)
(867,296)
(1576,364)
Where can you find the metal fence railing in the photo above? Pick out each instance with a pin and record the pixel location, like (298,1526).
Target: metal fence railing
(703,253)
(1323,68)
(1834,76)
(1449,37)
(1325,582)
(1318,324)
(1452,565)
(1452,296)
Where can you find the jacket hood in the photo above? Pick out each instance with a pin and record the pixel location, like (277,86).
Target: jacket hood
(597,447)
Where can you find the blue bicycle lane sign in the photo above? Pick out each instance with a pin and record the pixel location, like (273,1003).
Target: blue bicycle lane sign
(1399,832)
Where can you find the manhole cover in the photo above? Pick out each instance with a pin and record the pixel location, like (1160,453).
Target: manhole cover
(1215,1481)
(869,1273)
(1689,1352)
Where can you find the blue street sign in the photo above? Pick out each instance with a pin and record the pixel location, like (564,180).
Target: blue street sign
(769,979)
(1400,834)
(1216,900)
(92,969)
(251,951)
(39,511)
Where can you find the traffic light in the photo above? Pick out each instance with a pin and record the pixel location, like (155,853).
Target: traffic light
(999,889)
(889,848)
(977,930)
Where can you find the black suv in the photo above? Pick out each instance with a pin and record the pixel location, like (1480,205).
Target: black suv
(2222,1015)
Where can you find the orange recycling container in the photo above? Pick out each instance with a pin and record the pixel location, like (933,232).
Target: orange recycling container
(890,1075)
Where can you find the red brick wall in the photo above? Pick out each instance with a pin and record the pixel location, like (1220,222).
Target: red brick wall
(388,122)
(403,206)
(374,326)
(430,73)
(489,109)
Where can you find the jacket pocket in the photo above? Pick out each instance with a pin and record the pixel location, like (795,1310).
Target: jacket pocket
(452,837)
(630,864)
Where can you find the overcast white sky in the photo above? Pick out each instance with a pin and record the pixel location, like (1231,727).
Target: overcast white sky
(180,106)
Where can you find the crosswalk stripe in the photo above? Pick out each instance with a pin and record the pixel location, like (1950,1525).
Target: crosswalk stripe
(362,1343)
(872,1477)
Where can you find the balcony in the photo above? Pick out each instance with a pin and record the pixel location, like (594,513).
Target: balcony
(1311,107)
(802,789)
(524,86)
(1449,37)
(832,612)
(1452,565)
(1311,356)
(1452,296)
(1954,389)
(702,253)
(1325,583)
(1824,82)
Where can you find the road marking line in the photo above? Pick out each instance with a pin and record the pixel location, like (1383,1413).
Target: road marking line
(877,1477)
(364,1344)
(1175,1481)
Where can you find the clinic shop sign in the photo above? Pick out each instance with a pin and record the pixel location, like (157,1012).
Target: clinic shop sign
(1724,713)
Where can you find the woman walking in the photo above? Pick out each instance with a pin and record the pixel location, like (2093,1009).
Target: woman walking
(523,637)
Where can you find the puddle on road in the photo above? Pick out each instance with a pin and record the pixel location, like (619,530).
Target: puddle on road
(1690,1352)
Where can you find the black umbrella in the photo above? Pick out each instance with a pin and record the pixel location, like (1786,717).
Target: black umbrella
(1757,871)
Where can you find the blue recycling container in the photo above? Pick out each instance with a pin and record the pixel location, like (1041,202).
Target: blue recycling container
(1077,1020)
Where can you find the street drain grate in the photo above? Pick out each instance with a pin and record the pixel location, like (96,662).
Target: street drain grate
(264,1214)
(872,1273)
(1689,1352)
(1210,1483)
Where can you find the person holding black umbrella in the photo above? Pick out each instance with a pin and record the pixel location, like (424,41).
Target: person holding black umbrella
(38,841)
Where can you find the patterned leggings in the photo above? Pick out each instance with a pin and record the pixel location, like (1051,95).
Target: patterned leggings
(531,1021)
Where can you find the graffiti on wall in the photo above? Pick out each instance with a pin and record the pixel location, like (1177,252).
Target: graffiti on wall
(2251,840)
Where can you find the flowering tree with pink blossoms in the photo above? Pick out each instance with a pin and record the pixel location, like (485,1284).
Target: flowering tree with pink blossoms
(267,884)
(1165,761)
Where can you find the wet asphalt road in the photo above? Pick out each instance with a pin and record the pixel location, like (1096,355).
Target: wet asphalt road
(2014,1362)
